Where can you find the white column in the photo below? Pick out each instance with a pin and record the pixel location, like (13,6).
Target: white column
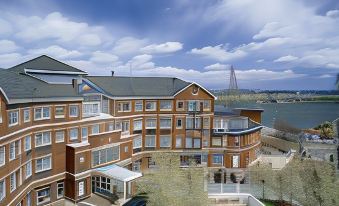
(124,191)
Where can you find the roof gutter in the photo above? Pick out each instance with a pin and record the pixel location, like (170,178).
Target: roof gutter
(3,92)
(52,72)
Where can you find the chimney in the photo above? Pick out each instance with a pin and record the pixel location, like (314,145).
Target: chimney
(112,73)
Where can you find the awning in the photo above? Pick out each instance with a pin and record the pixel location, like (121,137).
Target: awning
(119,173)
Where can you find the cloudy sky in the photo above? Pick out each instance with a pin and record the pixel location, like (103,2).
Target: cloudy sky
(272,44)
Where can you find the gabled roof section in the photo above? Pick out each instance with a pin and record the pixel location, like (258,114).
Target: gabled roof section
(116,86)
(203,88)
(20,88)
(45,64)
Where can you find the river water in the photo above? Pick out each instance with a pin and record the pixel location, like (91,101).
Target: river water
(300,115)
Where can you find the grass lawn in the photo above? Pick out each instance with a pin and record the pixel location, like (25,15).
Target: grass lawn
(267,203)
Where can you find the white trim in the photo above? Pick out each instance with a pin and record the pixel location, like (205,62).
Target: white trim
(3,92)
(50,99)
(37,197)
(52,72)
(198,86)
(46,169)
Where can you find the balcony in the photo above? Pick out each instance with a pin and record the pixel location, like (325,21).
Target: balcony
(239,125)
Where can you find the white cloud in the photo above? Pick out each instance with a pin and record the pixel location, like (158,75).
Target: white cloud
(103,57)
(287,58)
(219,53)
(218,67)
(333,13)
(325,76)
(7,46)
(10,59)
(260,60)
(56,26)
(263,74)
(167,47)
(129,45)
(5,27)
(56,51)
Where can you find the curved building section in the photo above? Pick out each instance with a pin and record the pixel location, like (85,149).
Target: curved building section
(66,135)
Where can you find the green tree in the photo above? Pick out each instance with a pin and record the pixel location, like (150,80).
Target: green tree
(168,184)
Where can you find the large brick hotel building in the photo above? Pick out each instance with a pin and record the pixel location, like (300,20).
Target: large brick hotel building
(66,135)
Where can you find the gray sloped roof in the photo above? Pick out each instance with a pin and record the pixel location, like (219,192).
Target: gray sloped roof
(138,86)
(21,86)
(44,63)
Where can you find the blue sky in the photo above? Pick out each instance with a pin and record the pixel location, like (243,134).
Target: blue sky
(272,44)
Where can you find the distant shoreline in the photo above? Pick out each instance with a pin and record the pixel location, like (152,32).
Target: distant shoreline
(296,102)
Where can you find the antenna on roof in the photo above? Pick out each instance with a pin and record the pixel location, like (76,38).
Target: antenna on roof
(112,73)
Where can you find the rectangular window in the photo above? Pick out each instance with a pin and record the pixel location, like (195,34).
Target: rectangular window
(12,181)
(43,196)
(28,199)
(125,128)
(2,156)
(41,113)
(137,142)
(2,189)
(207,105)
(151,105)
(90,109)
(165,141)
(110,126)
(43,164)
(178,142)
(27,115)
(28,143)
(217,159)
(12,150)
(60,188)
(81,191)
(193,106)
(28,169)
(105,155)
(235,161)
(73,134)
(206,123)
(151,123)
(236,140)
(117,125)
(180,105)
(95,129)
(59,136)
(196,143)
(73,110)
(165,105)
(197,123)
(137,124)
(189,142)
(150,141)
(165,123)
(124,106)
(189,122)
(216,141)
(138,106)
(13,118)
(42,139)
(179,123)
(84,134)
(59,111)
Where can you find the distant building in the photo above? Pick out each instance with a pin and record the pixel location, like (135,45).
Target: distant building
(66,135)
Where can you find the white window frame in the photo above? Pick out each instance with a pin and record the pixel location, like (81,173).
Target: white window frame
(121,106)
(48,197)
(28,199)
(43,139)
(95,126)
(134,123)
(135,106)
(166,101)
(59,186)
(235,161)
(189,140)
(77,110)
(3,189)
(216,163)
(183,105)
(176,141)
(10,117)
(81,188)
(155,140)
(25,110)
(3,152)
(12,153)
(12,185)
(154,102)
(42,163)
(43,108)
(28,141)
(176,122)
(137,142)
(56,136)
(28,168)
(170,141)
(55,111)
(71,137)
(152,127)
(84,137)
(91,109)
(166,118)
